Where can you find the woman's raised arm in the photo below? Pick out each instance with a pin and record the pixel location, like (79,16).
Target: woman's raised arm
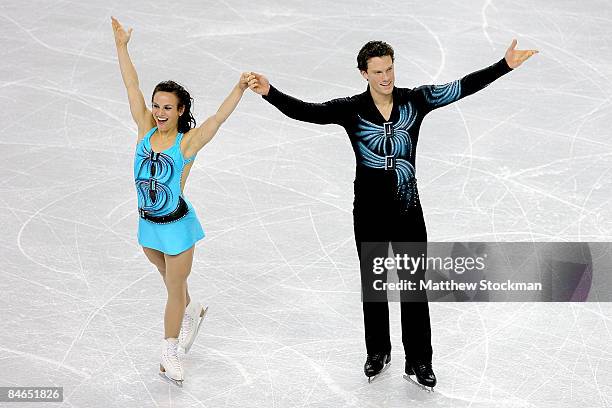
(140,113)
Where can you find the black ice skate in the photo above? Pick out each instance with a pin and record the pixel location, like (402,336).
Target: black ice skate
(421,374)
(376,364)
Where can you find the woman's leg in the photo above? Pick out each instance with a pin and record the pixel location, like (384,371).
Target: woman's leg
(178,268)
(157,258)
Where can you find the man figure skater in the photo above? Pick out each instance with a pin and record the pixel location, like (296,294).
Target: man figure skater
(383,126)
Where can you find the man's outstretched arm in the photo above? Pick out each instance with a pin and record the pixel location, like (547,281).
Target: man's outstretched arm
(436,96)
(320,113)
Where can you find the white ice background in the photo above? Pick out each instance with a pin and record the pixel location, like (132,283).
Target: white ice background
(527,158)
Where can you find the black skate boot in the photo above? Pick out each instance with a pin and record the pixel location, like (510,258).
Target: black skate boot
(421,374)
(376,364)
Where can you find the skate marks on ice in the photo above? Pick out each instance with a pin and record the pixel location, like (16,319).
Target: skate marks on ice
(412,393)
(394,390)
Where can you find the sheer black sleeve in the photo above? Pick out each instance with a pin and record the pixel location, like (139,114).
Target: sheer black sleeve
(436,96)
(333,111)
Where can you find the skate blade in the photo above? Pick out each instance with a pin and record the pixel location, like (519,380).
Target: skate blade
(414,381)
(370,379)
(197,330)
(178,383)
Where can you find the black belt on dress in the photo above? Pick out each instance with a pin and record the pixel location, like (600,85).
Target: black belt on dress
(181,210)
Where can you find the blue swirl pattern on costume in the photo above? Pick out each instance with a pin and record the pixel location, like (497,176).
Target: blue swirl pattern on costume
(440,95)
(155,200)
(153,173)
(373,146)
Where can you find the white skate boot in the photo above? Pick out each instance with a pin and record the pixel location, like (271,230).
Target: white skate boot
(194,315)
(170,367)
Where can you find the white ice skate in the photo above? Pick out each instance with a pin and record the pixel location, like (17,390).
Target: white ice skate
(194,315)
(170,367)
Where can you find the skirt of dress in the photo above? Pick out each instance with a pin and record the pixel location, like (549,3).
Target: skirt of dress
(174,237)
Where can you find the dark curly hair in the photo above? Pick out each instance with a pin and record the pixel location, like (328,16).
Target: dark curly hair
(186,120)
(373,49)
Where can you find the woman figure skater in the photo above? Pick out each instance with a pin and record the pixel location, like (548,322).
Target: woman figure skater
(168,228)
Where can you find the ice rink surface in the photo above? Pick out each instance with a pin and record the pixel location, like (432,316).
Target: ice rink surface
(528,158)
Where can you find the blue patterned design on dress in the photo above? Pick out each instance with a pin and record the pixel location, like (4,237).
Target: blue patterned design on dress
(440,95)
(153,201)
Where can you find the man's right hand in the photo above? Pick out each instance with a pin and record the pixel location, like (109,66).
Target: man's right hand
(258,83)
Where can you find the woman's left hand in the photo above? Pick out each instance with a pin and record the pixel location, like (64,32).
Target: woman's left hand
(244,83)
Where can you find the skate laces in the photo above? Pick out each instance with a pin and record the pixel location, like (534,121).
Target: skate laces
(186,327)
(374,358)
(187,324)
(171,355)
(425,368)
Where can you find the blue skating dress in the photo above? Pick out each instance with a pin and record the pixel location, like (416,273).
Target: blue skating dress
(168,222)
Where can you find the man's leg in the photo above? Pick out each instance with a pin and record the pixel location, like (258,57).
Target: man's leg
(375,306)
(416,331)
(374,303)
(416,328)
